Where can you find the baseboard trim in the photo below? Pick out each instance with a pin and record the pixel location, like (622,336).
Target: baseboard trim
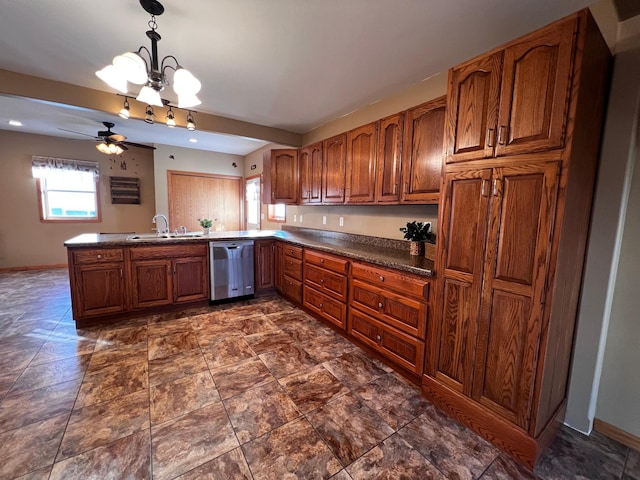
(32,267)
(616,433)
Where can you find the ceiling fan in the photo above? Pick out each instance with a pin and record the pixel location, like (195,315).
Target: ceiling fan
(110,142)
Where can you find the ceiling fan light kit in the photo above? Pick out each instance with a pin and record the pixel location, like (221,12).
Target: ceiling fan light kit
(133,67)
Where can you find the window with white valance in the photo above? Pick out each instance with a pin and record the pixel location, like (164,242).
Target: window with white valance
(67,189)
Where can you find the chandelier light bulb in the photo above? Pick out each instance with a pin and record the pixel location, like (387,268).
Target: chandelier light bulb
(112,77)
(188,101)
(150,96)
(148,114)
(132,66)
(191,125)
(171,121)
(125,112)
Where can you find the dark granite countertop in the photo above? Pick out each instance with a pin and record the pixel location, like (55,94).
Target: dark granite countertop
(376,250)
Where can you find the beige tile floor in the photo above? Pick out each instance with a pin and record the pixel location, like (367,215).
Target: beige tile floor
(255,389)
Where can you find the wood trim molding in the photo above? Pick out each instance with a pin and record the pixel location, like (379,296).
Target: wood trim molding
(616,433)
(32,267)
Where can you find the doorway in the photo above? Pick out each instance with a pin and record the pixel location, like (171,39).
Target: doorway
(253,203)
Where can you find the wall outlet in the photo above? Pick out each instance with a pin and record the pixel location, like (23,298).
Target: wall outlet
(342,221)
(324,219)
(300,218)
(262,216)
(295,217)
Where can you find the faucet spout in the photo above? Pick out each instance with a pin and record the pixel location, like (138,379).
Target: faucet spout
(166,223)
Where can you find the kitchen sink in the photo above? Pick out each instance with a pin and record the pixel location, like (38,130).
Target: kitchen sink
(164,236)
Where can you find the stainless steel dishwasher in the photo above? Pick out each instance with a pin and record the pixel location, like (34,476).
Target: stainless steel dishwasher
(231,269)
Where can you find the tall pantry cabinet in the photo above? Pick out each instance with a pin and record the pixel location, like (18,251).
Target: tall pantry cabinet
(522,133)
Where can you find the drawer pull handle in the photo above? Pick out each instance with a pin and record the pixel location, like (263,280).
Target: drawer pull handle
(381,278)
(380,305)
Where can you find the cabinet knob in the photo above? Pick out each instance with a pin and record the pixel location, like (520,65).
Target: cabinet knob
(322,260)
(322,280)
(99,256)
(380,305)
(378,337)
(320,305)
(381,278)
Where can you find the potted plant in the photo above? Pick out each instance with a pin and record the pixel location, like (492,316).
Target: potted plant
(205,223)
(417,233)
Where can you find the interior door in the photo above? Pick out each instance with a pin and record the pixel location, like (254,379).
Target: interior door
(200,195)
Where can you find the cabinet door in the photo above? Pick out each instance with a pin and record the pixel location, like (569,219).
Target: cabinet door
(472,109)
(265,265)
(99,289)
(333,169)
(361,164)
(151,281)
(521,218)
(535,89)
(281,176)
(310,161)
(325,306)
(190,279)
(389,159)
(423,151)
(460,261)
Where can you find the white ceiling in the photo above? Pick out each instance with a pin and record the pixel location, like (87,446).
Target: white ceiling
(290,64)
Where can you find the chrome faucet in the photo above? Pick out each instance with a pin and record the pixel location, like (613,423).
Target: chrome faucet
(166,224)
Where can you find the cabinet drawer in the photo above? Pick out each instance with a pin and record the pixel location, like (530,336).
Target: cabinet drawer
(293,268)
(98,255)
(293,251)
(325,260)
(331,283)
(401,312)
(383,278)
(326,307)
(400,348)
(292,289)
(164,251)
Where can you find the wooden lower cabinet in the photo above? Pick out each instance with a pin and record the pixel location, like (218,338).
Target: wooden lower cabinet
(388,310)
(325,306)
(265,266)
(98,289)
(289,271)
(404,350)
(107,282)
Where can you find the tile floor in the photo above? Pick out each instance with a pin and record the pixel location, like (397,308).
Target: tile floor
(255,389)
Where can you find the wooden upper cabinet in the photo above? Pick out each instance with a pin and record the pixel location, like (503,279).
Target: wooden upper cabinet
(389,159)
(423,152)
(361,164)
(535,91)
(280,168)
(513,101)
(472,109)
(333,169)
(310,166)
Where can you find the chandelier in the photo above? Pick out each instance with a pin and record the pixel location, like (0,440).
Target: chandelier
(133,67)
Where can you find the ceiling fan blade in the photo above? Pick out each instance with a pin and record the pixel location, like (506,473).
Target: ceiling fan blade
(116,137)
(77,133)
(138,145)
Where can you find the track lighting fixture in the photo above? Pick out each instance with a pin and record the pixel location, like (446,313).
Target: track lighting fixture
(125,112)
(171,119)
(148,114)
(133,67)
(191,125)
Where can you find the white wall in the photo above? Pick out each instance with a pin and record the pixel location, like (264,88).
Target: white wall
(594,390)
(188,160)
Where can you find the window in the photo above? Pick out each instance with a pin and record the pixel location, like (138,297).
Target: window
(67,189)
(276,212)
(253,201)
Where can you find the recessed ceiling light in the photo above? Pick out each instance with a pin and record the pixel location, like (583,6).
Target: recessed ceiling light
(15,123)
(193,140)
